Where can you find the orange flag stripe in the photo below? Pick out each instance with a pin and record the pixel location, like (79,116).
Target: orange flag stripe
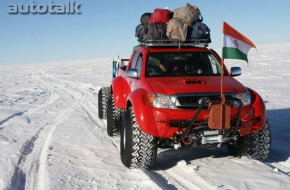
(229,30)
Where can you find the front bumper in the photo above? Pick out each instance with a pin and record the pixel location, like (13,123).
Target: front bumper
(170,121)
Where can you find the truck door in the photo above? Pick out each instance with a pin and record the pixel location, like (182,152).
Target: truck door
(136,64)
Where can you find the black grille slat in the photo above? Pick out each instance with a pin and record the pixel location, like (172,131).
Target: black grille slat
(188,102)
(192,101)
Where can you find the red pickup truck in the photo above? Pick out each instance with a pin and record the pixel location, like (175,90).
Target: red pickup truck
(169,95)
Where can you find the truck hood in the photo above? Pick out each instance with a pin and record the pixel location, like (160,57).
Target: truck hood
(202,84)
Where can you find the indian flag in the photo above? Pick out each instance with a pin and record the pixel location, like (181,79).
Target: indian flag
(235,44)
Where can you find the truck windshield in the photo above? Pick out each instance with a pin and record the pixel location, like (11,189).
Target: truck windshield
(182,64)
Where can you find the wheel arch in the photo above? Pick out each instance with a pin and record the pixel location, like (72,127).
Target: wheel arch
(120,90)
(260,113)
(143,111)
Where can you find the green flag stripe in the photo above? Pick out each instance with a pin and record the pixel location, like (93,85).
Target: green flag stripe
(234,53)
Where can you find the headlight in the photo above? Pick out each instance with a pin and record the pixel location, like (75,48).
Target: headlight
(245,97)
(160,101)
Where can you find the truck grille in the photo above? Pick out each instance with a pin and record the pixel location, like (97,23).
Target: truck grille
(192,101)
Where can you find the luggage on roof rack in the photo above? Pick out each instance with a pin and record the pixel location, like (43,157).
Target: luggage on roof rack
(184,29)
(176,43)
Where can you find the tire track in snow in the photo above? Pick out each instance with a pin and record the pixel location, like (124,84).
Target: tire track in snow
(30,171)
(18,180)
(160,180)
(173,178)
(79,101)
(43,155)
(184,174)
(72,89)
(11,117)
(16,116)
(92,115)
(19,176)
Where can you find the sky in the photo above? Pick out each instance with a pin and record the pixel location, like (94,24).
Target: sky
(106,28)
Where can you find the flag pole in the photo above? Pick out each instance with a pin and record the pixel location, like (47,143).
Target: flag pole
(222,82)
(223,98)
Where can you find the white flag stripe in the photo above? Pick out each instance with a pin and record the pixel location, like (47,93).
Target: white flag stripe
(230,42)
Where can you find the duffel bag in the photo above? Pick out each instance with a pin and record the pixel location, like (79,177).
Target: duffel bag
(145,18)
(140,32)
(176,30)
(160,16)
(199,31)
(156,32)
(188,14)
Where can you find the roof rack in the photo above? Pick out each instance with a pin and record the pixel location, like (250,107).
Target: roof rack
(176,43)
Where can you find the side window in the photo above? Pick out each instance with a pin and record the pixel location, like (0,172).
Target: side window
(139,64)
(216,68)
(132,66)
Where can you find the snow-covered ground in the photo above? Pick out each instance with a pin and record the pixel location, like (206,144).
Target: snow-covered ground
(52,138)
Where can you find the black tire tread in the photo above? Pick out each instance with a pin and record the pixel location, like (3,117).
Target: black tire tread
(113,118)
(103,97)
(260,144)
(142,151)
(257,146)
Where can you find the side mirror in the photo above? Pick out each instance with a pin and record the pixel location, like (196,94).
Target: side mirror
(236,71)
(132,73)
(114,70)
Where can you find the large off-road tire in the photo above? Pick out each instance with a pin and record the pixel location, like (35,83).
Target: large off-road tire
(257,145)
(114,117)
(103,96)
(138,149)
(260,143)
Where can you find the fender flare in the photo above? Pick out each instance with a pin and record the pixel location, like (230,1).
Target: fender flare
(143,111)
(120,89)
(260,113)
